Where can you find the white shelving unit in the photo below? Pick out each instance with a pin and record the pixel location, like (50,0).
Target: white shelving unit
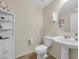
(7,29)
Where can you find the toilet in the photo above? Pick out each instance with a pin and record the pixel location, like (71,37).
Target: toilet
(41,50)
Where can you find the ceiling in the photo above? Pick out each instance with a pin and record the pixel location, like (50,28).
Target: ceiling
(69,7)
(42,3)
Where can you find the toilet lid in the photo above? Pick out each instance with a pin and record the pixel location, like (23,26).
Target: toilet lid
(41,47)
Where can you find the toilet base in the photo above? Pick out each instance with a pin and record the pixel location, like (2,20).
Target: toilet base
(42,56)
(46,55)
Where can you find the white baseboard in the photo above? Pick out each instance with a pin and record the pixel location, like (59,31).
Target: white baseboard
(24,54)
(52,54)
(29,53)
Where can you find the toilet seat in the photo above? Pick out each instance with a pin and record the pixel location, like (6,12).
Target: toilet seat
(41,49)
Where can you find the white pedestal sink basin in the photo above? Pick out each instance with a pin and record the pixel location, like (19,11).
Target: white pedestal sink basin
(65,45)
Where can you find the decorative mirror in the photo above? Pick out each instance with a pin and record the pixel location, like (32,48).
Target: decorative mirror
(68,16)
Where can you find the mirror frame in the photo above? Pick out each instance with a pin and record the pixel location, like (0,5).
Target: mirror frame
(59,9)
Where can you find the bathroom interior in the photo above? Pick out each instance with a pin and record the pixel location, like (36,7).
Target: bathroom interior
(38,29)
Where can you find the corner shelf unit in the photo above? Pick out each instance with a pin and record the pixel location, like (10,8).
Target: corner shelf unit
(6,20)
(7,29)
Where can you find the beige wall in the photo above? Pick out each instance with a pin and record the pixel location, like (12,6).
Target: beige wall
(29,24)
(52,29)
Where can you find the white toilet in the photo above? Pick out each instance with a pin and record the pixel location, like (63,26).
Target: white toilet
(41,50)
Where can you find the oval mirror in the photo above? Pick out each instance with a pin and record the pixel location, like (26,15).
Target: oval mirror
(68,16)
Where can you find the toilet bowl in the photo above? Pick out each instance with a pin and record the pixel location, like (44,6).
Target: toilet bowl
(41,50)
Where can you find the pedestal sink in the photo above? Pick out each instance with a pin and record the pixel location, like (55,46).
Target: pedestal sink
(65,45)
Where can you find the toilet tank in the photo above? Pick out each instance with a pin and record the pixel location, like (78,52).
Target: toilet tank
(48,41)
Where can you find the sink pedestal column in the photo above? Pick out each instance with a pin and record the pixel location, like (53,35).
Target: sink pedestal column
(64,52)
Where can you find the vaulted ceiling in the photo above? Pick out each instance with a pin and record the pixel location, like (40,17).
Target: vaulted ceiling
(42,3)
(70,7)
